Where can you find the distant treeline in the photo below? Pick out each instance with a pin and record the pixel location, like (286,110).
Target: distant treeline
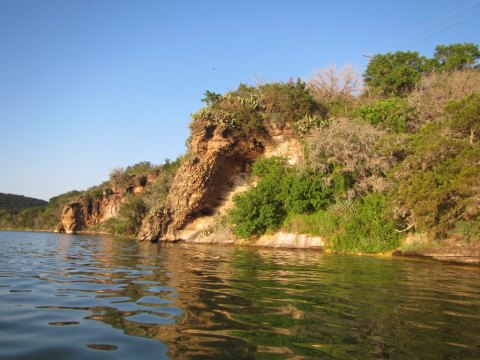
(19,202)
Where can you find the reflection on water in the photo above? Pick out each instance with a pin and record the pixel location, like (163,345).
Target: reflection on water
(86,297)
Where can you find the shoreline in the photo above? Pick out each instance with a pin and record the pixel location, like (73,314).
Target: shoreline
(286,241)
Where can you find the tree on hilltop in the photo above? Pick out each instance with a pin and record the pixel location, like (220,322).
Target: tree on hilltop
(457,56)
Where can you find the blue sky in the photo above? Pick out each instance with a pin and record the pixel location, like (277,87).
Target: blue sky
(87,86)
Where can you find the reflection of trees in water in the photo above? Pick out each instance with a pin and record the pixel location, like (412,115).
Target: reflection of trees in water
(245,303)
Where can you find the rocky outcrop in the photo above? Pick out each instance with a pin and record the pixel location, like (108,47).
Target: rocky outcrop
(280,240)
(86,212)
(290,241)
(217,158)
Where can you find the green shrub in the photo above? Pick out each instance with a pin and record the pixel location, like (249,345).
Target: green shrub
(437,185)
(366,230)
(465,118)
(349,225)
(307,123)
(261,208)
(310,191)
(392,114)
(131,215)
(281,190)
(121,228)
(248,110)
(289,102)
(257,211)
(469,230)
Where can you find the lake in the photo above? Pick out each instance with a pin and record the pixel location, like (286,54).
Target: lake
(98,297)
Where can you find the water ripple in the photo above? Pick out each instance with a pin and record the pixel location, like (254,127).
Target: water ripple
(84,297)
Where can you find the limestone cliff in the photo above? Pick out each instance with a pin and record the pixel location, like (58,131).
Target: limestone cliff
(88,211)
(84,213)
(203,183)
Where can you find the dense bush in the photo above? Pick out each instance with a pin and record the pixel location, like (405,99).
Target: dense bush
(366,230)
(397,74)
(289,102)
(261,209)
(436,90)
(281,190)
(391,114)
(248,110)
(438,184)
(363,153)
(131,216)
(359,226)
(469,230)
(131,176)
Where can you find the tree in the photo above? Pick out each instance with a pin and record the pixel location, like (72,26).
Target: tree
(211,98)
(457,56)
(396,73)
(329,83)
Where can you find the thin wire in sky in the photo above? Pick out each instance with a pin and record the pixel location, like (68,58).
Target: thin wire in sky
(444,29)
(431,22)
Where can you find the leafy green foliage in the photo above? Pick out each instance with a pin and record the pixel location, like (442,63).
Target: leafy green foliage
(392,114)
(289,102)
(261,208)
(366,229)
(457,56)
(396,74)
(211,98)
(438,184)
(359,226)
(320,223)
(465,118)
(307,192)
(131,176)
(130,217)
(280,191)
(469,230)
(248,110)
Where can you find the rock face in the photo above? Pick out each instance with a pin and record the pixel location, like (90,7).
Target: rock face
(79,215)
(290,241)
(217,159)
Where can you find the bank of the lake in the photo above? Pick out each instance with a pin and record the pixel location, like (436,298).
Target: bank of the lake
(451,252)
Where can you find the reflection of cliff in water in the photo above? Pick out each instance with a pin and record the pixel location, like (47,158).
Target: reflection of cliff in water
(206,329)
(220,302)
(170,293)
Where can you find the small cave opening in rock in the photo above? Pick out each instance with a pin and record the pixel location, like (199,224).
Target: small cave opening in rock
(230,172)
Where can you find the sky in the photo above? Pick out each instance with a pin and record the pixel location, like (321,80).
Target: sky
(87,86)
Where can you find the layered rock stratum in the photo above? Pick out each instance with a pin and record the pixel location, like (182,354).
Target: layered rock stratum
(218,160)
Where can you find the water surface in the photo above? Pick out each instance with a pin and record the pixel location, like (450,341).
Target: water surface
(89,297)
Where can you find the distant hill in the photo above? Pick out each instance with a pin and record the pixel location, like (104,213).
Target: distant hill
(19,202)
